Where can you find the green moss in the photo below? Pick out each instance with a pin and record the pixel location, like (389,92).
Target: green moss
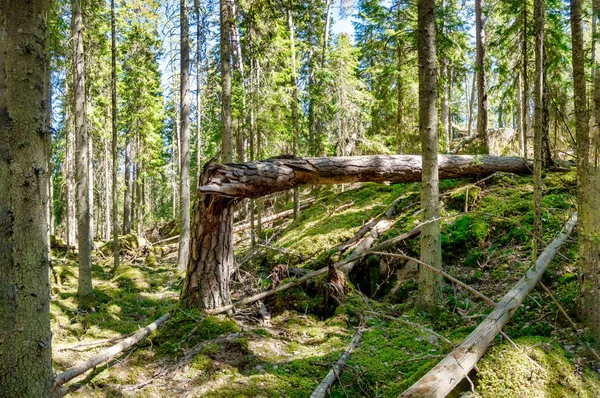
(507,372)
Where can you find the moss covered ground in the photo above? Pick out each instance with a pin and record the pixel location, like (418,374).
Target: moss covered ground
(486,242)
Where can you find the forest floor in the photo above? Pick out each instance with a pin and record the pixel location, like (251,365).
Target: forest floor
(485,244)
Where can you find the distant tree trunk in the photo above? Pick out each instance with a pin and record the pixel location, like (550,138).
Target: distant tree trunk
(319,122)
(85,292)
(25,335)
(199,41)
(115,161)
(107,191)
(525,96)
(251,146)
(588,173)
(430,284)
(128,185)
(139,215)
(444,100)
(294,107)
(482,116)
(226,126)
(400,101)
(71,225)
(449,121)
(472,104)
(90,171)
(520,129)
(184,181)
(538,17)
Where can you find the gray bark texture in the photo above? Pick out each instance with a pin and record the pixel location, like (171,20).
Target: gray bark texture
(114,142)
(184,180)
(25,335)
(482,116)
(84,216)
(588,184)
(538,117)
(226,123)
(260,178)
(430,284)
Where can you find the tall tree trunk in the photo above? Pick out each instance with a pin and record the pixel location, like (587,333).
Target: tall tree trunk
(430,284)
(128,186)
(294,106)
(184,187)
(226,126)
(85,292)
(538,16)
(520,129)
(525,96)
(71,224)
(115,162)
(588,174)
(482,116)
(472,104)
(448,121)
(319,122)
(26,353)
(199,41)
(400,101)
(107,191)
(90,171)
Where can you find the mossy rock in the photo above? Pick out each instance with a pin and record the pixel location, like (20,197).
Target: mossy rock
(127,242)
(508,372)
(456,200)
(150,260)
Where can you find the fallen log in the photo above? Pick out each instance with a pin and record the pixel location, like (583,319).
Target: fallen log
(440,380)
(265,220)
(409,235)
(335,373)
(464,142)
(384,223)
(255,179)
(89,344)
(104,356)
(211,253)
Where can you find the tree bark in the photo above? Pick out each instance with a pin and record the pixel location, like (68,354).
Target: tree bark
(128,186)
(206,283)
(226,127)
(25,335)
(525,96)
(538,16)
(588,185)
(71,224)
(260,178)
(115,161)
(482,116)
(442,379)
(85,291)
(199,41)
(430,284)
(107,191)
(184,197)
(295,126)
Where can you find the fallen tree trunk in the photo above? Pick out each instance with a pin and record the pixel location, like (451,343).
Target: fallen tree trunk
(383,224)
(464,142)
(440,380)
(105,355)
(211,256)
(265,220)
(255,179)
(334,374)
